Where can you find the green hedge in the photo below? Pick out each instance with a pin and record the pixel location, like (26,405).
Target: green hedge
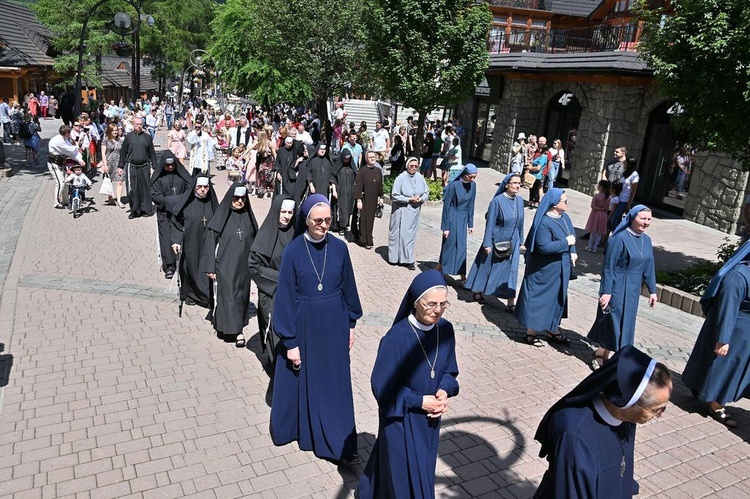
(436,188)
(695,279)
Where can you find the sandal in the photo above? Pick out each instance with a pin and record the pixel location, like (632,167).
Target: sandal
(532,340)
(558,338)
(722,417)
(240,340)
(479,298)
(511,309)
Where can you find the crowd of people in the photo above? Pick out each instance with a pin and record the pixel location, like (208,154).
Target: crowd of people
(216,248)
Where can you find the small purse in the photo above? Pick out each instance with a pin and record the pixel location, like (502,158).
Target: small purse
(379,211)
(502,249)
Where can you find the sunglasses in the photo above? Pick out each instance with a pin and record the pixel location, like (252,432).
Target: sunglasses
(320,221)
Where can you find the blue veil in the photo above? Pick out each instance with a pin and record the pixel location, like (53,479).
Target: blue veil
(419,286)
(549,200)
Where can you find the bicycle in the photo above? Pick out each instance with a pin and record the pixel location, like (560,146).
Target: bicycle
(77,195)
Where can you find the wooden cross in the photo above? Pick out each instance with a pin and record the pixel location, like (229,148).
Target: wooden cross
(239,233)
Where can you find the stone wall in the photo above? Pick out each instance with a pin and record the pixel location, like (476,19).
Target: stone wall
(717,191)
(613,116)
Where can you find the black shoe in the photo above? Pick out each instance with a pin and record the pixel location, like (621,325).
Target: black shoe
(134,214)
(352,461)
(369,246)
(411,266)
(189,302)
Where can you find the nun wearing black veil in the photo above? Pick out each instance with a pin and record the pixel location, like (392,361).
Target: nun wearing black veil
(170,179)
(225,259)
(414,375)
(344,174)
(274,235)
(588,436)
(191,212)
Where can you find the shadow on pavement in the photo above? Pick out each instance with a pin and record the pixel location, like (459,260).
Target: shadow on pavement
(684,399)
(6,362)
(463,451)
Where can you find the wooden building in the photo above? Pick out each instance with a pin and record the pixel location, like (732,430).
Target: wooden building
(25,55)
(569,70)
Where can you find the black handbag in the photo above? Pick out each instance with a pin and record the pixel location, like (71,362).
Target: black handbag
(603,329)
(502,249)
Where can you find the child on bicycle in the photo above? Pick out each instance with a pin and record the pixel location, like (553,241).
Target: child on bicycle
(78,182)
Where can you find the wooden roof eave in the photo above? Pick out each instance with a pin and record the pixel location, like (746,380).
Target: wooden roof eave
(611,77)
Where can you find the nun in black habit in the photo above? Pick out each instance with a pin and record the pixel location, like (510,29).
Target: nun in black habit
(319,171)
(343,177)
(170,178)
(300,186)
(288,159)
(191,212)
(225,259)
(265,261)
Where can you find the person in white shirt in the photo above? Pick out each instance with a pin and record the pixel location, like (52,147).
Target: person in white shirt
(380,141)
(241,134)
(303,136)
(61,149)
(152,122)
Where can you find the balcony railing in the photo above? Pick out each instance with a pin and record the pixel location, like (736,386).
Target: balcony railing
(602,38)
(522,4)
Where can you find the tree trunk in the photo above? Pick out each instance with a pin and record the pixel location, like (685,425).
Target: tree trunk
(323,116)
(421,128)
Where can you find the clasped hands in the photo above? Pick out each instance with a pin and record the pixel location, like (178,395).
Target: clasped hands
(435,405)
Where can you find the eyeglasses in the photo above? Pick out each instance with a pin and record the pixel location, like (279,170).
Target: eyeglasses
(657,413)
(564,201)
(432,305)
(319,221)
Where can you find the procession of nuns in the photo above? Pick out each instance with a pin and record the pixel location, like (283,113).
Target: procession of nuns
(308,308)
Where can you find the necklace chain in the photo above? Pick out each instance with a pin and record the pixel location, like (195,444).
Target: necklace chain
(315,269)
(437,348)
(640,250)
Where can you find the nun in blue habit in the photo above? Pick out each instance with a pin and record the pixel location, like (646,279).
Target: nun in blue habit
(628,264)
(314,313)
(458,217)
(588,436)
(550,253)
(414,375)
(492,274)
(718,370)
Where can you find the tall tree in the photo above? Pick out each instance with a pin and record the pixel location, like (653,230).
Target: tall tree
(289,50)
(700,55)
(428,53)
(179,27)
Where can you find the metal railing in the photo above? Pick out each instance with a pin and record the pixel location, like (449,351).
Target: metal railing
(603,38)
(522,4)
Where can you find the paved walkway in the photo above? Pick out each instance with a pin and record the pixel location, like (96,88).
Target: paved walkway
(105,392)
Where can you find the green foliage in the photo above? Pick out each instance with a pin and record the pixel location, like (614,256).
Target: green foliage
(435,186)
(427,54)
(288,50)
(695,279)
(179,27)
(701,57)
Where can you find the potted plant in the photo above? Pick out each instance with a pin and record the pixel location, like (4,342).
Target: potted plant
(122,48)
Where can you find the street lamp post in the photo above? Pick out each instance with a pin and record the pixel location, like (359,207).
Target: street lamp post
(196,61)
(122,21)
